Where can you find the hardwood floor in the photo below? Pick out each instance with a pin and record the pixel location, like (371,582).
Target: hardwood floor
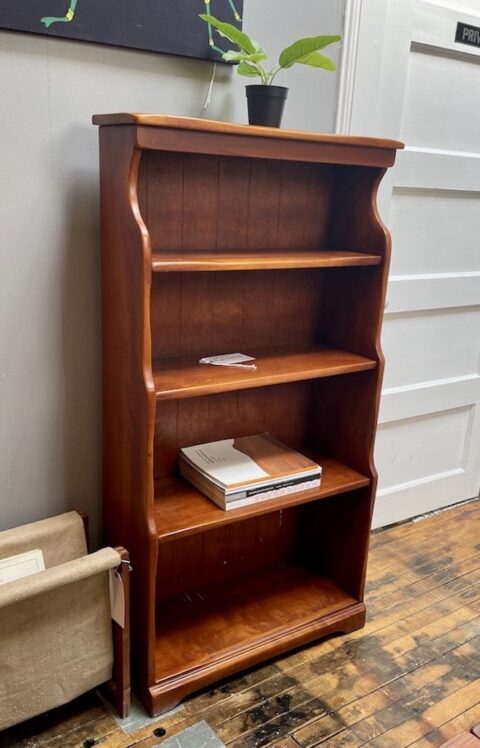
(411,677)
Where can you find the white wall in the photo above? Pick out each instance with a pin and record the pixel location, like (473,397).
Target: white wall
(49,233)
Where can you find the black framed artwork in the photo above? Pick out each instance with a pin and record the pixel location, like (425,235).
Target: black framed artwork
(170,26)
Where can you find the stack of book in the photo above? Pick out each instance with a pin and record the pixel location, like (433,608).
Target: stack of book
(237,472)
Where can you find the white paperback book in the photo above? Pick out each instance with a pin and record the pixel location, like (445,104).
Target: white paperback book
(246,470)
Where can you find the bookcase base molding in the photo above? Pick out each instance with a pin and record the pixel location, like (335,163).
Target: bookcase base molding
(220,239)
(169,692)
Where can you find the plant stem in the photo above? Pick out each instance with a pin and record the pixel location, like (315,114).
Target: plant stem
(262,72)
(273,73)
(236,14)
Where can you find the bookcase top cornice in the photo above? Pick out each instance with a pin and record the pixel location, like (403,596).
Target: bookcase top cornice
(213,126)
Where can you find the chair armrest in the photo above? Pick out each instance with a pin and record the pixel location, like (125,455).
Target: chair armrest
(58,576)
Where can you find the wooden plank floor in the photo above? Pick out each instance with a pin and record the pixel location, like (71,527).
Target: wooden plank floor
(411,677)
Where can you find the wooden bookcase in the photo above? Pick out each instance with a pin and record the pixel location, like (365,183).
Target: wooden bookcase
(222,238)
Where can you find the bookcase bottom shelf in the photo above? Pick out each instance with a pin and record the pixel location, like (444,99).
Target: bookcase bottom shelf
(211,633)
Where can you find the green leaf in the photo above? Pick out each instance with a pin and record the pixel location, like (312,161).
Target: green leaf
(302,48)
(258,56)
(231,33)
(232,56)
(249,71)
(317,60)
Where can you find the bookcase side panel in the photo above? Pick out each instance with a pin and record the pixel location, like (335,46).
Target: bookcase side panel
(346,408)
(341,553)
(352,314)
(128,393)
(343,422)
(356,224)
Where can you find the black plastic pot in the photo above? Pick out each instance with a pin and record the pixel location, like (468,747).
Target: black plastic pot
(266,104)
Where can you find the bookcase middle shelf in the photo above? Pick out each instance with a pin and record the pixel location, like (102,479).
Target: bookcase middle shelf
(250,259)
(177,378)
(181,510)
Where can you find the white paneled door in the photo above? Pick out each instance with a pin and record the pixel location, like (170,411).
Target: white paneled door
(412,80)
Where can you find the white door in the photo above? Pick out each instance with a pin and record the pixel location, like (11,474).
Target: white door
(404,76)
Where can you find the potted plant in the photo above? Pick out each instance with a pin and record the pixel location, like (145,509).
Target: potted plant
(266,101)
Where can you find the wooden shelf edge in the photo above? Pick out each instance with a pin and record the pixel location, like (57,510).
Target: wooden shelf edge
(169,121)
(168,692)
(179,378)
(179,261)
(208,515)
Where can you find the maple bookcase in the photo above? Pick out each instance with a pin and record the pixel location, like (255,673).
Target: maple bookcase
(222,238)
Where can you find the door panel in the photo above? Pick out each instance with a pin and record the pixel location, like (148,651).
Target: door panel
(427,121)
(427,94)
(426,346)
(433,230)
(437,446)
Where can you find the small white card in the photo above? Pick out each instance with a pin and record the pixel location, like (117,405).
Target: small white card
(20,566)
(239,360)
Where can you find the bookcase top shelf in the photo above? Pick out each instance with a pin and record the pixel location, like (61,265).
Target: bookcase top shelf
(214,126)
(182,261)
(184,377)
(181,510)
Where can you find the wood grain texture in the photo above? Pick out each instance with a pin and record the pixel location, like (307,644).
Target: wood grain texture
(467,740)
(117,690)
(182,510)
(241,203)
(172,261)
(189,421)
(262,147)
(128,393)
(200,628)
(299,210)
(209,313)
(206,125)
(186,377)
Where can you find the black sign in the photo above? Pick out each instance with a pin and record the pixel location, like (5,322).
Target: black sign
(468,34)
(171,26)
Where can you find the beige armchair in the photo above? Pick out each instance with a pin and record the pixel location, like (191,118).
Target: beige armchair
(55,626)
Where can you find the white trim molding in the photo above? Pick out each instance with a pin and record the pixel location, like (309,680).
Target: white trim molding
(346,81)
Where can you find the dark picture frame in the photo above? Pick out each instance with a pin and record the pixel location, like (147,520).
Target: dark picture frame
(168,26)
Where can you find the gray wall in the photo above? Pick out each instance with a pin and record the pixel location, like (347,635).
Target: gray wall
(49,233)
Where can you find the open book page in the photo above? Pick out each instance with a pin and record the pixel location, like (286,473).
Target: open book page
(223,463)
(248,460)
